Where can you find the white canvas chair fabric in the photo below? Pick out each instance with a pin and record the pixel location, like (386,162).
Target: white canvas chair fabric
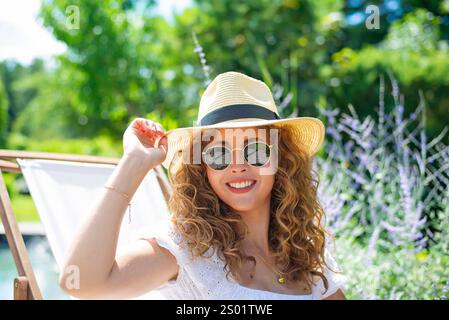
(63,192)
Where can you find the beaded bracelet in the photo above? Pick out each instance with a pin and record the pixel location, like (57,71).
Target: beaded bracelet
(127,197)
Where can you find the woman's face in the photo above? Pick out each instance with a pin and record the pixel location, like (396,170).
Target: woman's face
(241,186)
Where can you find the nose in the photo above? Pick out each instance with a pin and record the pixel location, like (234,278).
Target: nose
(238,163)
(236,168)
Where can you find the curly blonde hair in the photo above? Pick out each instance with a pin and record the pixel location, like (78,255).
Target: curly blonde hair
(296,235)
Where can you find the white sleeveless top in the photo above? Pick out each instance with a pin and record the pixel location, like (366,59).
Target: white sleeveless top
(205,278)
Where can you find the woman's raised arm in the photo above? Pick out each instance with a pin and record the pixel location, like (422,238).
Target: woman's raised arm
(93,268)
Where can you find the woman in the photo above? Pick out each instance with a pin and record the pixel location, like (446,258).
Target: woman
(245,221)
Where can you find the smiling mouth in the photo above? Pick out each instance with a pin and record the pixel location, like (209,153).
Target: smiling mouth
(240,187)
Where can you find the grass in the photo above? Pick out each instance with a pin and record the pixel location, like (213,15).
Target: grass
(24,209)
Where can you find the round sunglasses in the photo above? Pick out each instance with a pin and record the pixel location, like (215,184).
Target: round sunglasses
(219,157)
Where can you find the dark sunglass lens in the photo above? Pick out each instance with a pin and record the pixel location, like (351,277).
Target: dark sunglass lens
(218,158)
(257,153)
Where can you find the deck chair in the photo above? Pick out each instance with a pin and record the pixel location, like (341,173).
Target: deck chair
(64,188)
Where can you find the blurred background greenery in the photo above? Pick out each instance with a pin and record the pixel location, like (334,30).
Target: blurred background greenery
(127,60)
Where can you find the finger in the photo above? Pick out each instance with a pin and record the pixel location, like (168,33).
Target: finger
(138,121)
(159,131)
(159,127)
(161,142)
(149,129)
(138,124)
(136,128)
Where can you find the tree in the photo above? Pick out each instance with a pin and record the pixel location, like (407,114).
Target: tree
(280,42)
(116,60)
(3,116)
(413,52)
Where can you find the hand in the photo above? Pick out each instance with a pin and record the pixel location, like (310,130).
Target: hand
(145,138)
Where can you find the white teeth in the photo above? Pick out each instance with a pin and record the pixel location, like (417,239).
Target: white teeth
(241,184)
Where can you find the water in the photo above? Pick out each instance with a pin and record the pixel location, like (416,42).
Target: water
(43,263)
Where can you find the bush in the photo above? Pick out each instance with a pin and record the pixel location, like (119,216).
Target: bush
(3,115)
(413,53)
(384,189)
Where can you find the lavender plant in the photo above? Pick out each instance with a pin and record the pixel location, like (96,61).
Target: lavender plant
(380,182)
(205,67)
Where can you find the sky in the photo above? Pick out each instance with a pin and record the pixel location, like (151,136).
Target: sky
(23,38)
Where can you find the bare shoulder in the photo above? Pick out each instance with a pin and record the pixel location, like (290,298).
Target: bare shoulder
(140,267)
(158,259)
(163,254)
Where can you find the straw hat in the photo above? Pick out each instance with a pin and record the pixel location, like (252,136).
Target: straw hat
(235,100)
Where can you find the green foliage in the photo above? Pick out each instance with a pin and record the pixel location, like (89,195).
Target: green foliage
(24,208)
(22,205)
(117,64)
(418,62)
(3,115)
(397,272)
(383,187)
(416,32)
(280,42)
(125,62)
(9,182)
(100,146)
(394,274)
